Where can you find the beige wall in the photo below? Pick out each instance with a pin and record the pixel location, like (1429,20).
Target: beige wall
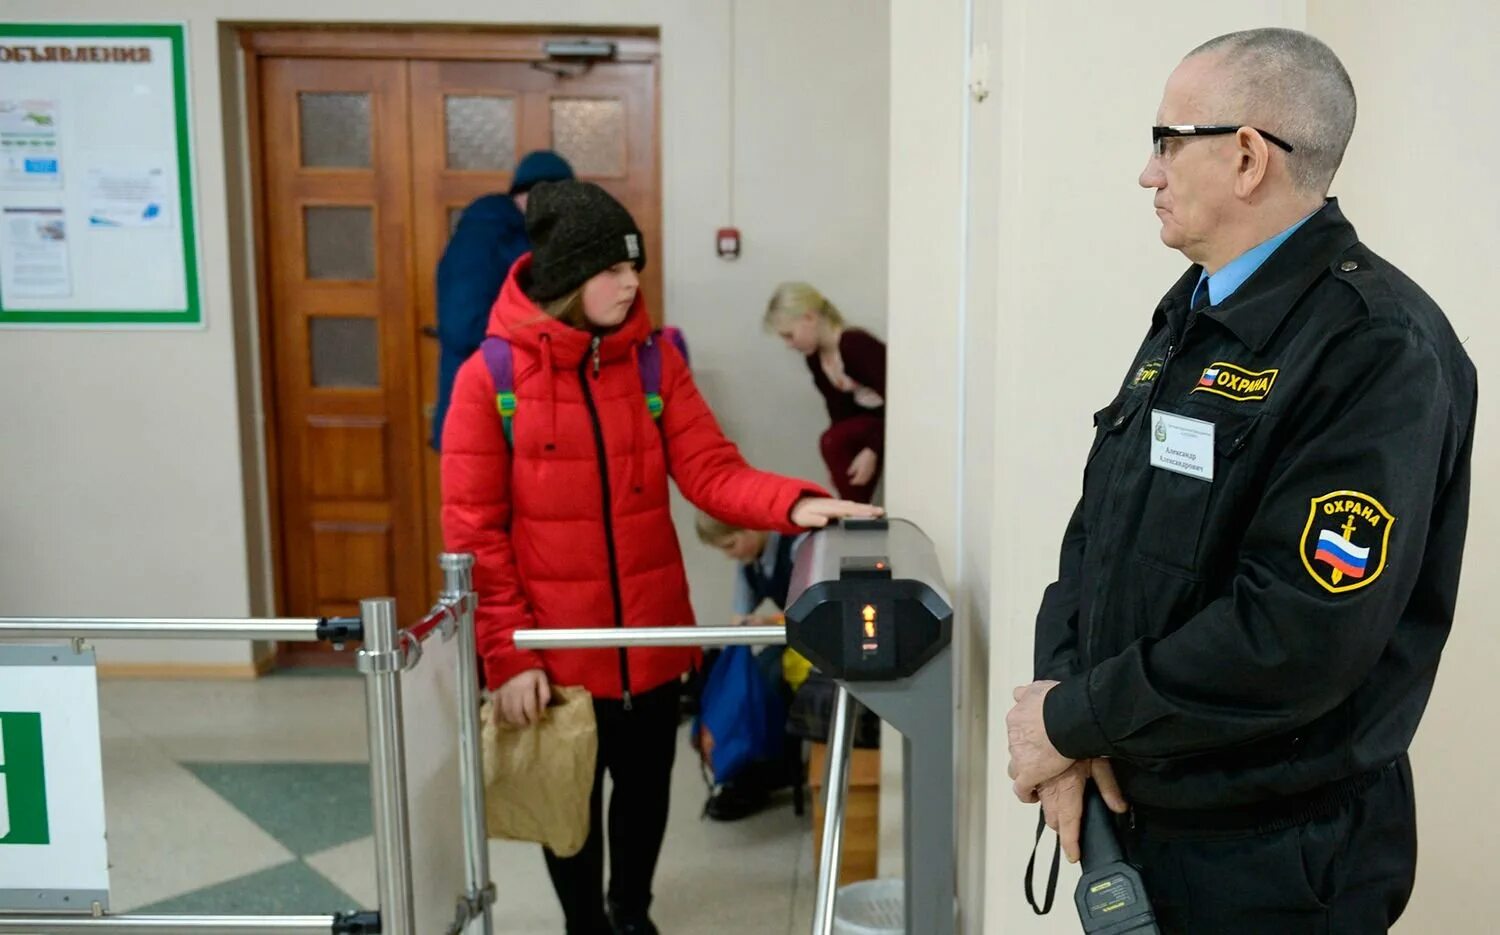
(926,393)
(130,454)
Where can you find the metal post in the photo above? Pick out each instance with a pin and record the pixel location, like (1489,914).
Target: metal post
(836,790)
(381,660)
(458,591)
(174,925)
(922,708)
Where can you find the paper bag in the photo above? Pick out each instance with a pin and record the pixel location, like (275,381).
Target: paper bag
(538,779)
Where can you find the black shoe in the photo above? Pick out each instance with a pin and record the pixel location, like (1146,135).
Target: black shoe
(734,801)
(631,925)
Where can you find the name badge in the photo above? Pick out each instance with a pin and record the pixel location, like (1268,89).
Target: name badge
(1183,445)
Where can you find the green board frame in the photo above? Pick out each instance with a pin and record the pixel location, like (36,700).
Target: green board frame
(192,314)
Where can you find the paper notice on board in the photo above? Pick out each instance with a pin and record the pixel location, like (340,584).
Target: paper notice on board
(29,152)
(34,254)
(129,198)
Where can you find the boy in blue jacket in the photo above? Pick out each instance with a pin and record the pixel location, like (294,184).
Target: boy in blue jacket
(764,573)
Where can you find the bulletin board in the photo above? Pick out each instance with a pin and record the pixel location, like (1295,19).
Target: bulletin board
(97,226)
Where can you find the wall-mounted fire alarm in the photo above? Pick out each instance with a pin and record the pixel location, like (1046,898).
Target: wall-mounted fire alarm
(729,243)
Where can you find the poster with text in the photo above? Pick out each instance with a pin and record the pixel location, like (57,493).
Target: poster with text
(34,253)
(29,153)
(129,198)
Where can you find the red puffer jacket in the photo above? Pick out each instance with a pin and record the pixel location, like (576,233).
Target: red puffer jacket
(573,528)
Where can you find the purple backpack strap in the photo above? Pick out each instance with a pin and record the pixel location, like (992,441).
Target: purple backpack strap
(501,364)
(649,359)
(675,336)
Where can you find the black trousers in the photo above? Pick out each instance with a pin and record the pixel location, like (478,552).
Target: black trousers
(1348,873)
(637,748)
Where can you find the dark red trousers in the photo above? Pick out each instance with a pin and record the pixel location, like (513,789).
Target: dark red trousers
(843,441)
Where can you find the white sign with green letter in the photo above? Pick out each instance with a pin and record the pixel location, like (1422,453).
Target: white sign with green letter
(53,855)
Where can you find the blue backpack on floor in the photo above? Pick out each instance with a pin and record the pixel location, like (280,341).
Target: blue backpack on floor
(742,713)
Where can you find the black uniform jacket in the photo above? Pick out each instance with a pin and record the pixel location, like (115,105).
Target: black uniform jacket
(1243,639)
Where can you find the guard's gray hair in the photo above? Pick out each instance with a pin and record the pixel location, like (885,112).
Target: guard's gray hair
(1293,85)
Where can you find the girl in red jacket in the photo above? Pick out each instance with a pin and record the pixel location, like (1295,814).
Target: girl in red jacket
(569,520)
(848,368)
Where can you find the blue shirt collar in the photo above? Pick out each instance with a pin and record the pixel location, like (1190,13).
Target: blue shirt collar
(1222,285)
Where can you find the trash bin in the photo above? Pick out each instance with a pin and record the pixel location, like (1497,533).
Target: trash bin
(871,907)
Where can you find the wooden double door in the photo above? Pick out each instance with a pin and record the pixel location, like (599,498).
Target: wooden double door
(368,148)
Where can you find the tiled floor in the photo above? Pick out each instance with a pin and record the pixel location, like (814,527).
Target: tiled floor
(254,798)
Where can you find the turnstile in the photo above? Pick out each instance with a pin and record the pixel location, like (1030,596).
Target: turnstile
(868,607)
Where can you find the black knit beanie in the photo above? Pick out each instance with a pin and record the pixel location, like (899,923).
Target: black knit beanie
(577,230)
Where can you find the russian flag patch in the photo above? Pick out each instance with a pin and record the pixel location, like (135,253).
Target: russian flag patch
(1346,540)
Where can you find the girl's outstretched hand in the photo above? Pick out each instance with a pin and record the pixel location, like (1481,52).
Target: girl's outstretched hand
(817,512)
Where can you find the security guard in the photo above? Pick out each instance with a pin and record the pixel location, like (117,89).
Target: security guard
(1257,583)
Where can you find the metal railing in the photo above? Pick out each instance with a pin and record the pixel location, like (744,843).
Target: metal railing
(840,732)
(611,637)
(458,595)
(386,653)
(281,629)
(381,660)
(193,925)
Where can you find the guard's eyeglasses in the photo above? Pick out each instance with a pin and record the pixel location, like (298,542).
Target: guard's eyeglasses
(1158,134)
